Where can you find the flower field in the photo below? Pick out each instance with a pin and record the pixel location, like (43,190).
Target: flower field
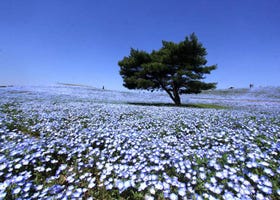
(65,143)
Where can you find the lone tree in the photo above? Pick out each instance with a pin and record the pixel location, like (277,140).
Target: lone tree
(176,68)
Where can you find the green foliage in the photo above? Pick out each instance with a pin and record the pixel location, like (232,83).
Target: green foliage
(176,68)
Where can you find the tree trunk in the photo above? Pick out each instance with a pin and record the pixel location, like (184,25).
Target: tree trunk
(177,99)
(175,96)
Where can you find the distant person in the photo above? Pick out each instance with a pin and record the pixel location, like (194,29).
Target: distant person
(103,88)
(251,85)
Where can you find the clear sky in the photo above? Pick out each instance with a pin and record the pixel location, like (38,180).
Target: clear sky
(81,41)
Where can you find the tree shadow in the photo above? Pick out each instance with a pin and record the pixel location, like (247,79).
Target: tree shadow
(188,105)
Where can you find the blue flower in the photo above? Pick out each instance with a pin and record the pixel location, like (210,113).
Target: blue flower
(173,196)
(2,194)
(268,171)
(16,190)
(3,186)
(182,192)
(3,166)
(56,189)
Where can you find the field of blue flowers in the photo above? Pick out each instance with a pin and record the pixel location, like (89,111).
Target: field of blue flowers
(81,143)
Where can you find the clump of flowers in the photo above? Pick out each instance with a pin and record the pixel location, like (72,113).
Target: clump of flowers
(84,148)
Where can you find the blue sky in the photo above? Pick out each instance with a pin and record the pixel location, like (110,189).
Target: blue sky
(81,41)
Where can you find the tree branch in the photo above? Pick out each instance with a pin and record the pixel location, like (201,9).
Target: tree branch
(166,90)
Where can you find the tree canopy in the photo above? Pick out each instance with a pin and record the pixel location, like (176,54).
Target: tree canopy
(176,68)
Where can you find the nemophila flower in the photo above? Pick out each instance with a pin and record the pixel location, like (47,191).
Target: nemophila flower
(268,171)
(201,169)
(278,170)
(263,163)
(212,198)
(3,166)
(16,190)
(36,195)
(91,184)
(260,196)
(43,193)
(69,192)
(249,165)
(152,190)
(25,162)
(54,161)
(220,175)
(217,166)
(266,190)
(278,191)
(142,186)
(127,184)
(40,169)
(267,183)
(120,185)
(253,177)
(245,190)
(215,190)
(190,189)
(193,182)
(182,192)
(55,189)
(149,197)
(10,168)
(173,196)
(213,180)
(62,167)
(166,186)
(70,179)
(242,158)
(18,179)
(48,169)
(109,186)
(246,183)
(228,195)
(240,179)
(27,187)
(3,186)
(2,195)
(39,187)
(59,196)
(77,193)
(159,186)
(17,166)
(188,175)
(205,195)
(207,185)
